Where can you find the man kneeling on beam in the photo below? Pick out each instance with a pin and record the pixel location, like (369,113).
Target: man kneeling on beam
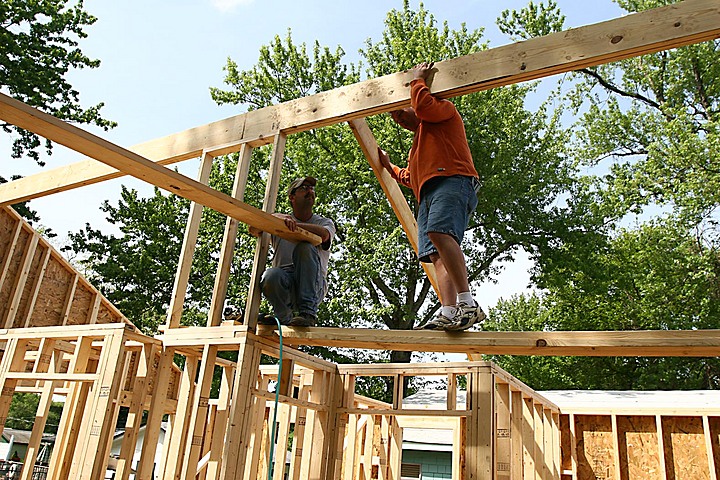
(297,281)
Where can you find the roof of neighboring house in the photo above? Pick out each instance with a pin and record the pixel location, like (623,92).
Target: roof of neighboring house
(23,436)
(670,402)
(655,402)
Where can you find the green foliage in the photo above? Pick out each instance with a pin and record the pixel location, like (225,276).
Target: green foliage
(38,47)
(535,20)
(647,133)
(23,410)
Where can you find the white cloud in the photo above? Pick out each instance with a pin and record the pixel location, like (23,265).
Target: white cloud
(228,5)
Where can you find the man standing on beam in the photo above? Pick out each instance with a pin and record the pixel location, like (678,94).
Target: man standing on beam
(443,178)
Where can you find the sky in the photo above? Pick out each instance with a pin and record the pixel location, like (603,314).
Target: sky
(160,58)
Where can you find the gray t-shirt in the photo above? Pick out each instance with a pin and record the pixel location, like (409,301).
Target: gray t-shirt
(284,248)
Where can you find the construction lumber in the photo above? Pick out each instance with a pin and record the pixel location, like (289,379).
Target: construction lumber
(636,343)
(33,120)
(672,26)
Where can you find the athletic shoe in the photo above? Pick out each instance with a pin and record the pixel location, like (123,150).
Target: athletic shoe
(438,322)
(303,320)
(466,317)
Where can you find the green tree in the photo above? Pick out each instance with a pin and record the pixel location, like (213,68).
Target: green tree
(38,47)
(647,133)
(23,410)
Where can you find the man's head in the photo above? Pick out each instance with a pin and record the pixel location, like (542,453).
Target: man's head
(406,118)
(301,192)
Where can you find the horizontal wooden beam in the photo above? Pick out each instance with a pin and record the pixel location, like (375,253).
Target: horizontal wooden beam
(672,26)
(648,343)
(32,119)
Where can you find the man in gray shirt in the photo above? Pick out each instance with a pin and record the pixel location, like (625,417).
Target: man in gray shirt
(297,281)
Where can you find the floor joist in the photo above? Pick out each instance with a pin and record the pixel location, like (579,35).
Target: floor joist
(672,26)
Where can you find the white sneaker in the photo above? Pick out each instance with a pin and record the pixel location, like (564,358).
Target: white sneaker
(438,322)
(466,317)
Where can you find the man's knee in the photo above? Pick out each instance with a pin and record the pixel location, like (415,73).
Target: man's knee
(272,279)
(438,237)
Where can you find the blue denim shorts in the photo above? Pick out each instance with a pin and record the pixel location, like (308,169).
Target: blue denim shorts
(446,204)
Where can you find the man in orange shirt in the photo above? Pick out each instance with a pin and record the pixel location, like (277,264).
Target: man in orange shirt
(443,178)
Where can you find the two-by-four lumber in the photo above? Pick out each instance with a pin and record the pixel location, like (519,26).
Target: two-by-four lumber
(369,146)
(33,120)
(636,343)
(672,26)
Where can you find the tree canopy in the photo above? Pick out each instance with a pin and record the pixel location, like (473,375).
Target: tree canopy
(39,46)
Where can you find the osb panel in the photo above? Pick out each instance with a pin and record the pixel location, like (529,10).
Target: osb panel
(639,448)
(51,298)
(6,289)
(685,452)
(595,447)
(8,223)
(106,315)
(81,304)
(24,306)
(715,439)
(565,443)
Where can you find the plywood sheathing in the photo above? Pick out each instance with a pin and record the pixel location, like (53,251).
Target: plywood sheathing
(39,288)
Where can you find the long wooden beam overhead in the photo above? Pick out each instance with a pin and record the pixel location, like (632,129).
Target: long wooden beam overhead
(34,120)
(672,26)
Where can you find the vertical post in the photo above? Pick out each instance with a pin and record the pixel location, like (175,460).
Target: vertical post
(156,412)
(263,242)
(229,239)
(72,416)
(182,276)
(218,437)
(516,436)
(504,445)
(144,362)
(198,411)
(175,443)
(238,434)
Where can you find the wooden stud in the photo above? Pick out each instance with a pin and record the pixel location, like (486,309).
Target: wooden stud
(263,242)
(176,443)
(299,432)
(516,435)
(402,210)
(72,416)
(69,296)
(20,279)
(218,437)
(198,413)
(229,239)
(712,462)
(156,412)
(238,434)
(192,228)
(503,456)
(144,359)
(46,351)
(35,288)
(10,249)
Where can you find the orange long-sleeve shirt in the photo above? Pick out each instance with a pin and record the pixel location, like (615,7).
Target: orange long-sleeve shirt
(440,147)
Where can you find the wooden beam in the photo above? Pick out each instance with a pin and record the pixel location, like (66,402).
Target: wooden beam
(664,343)
(369,146)
(131,163)
(672,26)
